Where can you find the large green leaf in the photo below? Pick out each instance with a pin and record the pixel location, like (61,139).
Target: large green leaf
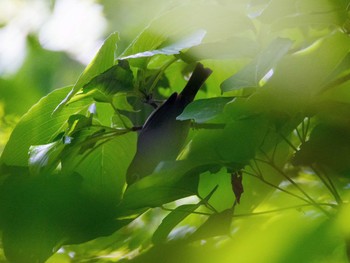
(38,126)
(105,167)
(232,146)
(39,214)
(172,181)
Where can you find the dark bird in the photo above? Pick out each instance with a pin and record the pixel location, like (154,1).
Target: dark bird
(162,136)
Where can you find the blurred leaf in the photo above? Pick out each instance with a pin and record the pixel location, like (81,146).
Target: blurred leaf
(175,217)
(204,110)
(217,21)
(232,48)
(313,13)
(328,146)
(217,224)
(251,75)
(41,213)
(305,73)
(171,220)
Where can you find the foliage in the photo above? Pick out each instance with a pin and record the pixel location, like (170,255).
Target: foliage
(263,176)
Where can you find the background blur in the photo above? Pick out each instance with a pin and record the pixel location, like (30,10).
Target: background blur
(46,45)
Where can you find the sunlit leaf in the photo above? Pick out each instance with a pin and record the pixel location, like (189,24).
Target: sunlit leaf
(44,157)
(193,39)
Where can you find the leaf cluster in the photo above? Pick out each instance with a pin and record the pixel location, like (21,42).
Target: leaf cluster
(269,147)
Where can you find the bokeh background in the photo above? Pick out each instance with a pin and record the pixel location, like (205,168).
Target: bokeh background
(45,45)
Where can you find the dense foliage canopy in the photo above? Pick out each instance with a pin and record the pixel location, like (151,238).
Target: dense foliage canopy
(263,175)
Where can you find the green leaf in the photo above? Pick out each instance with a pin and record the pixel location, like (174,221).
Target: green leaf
(171,220)
(121,102)
(173,181)
(252,74)
(105,167)
(38,127)
(41,213)
(118,78)
(232,146)
(191,40)
(204,110)
(103,60)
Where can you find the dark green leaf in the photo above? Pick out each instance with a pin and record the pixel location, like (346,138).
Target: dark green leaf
(118,78)
(204,110)
(328,146)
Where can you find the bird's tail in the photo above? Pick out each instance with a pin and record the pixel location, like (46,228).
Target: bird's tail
(198,77)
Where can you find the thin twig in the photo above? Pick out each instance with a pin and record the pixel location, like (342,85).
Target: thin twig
(279,188)
(273,165)
(282,209)
(288,142)
(330,186)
